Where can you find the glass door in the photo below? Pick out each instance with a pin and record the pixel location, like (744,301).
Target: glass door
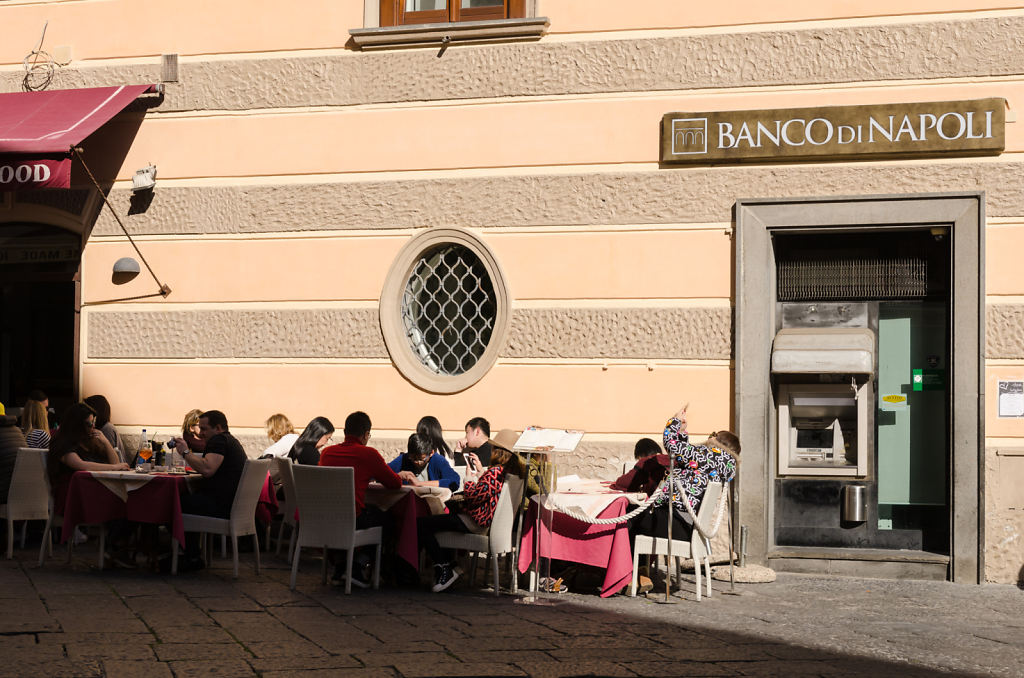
(912,421)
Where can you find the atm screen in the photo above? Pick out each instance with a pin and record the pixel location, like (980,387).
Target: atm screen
(814,437)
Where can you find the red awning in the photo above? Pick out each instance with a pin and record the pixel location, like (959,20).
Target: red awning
(38,129)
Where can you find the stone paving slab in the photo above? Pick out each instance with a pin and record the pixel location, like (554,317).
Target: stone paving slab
(72,620)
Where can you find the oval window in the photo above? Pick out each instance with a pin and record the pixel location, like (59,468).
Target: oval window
(444,310)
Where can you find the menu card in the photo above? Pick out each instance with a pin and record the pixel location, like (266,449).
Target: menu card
(537,439)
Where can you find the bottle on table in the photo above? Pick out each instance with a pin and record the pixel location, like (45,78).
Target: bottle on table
(177,458)
(145,450)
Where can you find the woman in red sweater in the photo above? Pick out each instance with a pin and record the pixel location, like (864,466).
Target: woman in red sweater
(475,513)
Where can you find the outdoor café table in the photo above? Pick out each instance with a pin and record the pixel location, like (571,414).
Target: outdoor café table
(99,496)
(406,504)
(566,538)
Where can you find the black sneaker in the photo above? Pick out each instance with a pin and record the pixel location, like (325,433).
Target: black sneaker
(191,565)
(444,576)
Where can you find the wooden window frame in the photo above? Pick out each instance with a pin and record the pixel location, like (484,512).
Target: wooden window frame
(392,13)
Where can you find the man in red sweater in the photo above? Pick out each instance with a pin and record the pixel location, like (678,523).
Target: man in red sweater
(367,464)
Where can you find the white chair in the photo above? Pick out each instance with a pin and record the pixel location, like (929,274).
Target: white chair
(28,497)
(698,548)
(326,500)
(242,520)
(497,540)
(52,519)
(461,470)
(287,505)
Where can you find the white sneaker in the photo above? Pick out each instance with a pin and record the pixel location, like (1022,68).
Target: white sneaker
(80,537)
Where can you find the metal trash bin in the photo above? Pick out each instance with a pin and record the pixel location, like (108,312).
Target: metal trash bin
(855,504)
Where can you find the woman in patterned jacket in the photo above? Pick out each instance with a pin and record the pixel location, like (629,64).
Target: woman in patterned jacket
(715,459)
(474,514)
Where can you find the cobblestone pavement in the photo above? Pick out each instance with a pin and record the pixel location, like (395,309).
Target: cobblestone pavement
(71,620)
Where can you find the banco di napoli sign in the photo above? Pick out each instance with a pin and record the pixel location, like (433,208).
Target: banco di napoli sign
(975,127)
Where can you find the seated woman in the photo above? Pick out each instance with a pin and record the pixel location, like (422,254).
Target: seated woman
(35,425)
(420,465)
(282,436)
(103,424)
(190,432)
(78,446)
(316,435)
(431,428)
(475,514)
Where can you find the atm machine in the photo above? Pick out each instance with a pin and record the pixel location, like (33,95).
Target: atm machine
(856,466)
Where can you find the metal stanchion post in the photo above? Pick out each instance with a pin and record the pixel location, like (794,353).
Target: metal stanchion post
(671,516)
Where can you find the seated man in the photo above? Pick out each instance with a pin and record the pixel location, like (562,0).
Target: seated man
(694,467)
(648,472)
(476,443)
(420,466)
(221,467)
(367,464)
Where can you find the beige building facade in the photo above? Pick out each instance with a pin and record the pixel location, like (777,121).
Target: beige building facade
(309,163)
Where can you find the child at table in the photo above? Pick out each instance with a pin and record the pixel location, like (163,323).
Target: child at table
(420,465)
(648,471)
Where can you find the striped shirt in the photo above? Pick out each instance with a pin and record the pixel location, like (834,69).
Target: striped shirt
(38,438)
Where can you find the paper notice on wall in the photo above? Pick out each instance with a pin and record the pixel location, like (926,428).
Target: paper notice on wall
(1011,398)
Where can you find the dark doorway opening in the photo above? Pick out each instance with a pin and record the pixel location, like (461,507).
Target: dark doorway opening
(38,346)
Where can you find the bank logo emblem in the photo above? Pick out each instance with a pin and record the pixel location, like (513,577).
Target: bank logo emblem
(689,136)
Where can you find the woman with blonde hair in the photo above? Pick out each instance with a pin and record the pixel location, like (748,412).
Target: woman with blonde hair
(35,425)
(282,436)
(190,432)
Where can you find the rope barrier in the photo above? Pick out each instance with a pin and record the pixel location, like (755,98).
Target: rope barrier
(719,511)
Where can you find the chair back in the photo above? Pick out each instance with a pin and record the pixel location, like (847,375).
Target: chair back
(247,495)
(504,515)
(706,517)
(29,494)
(461,470)
(284,472)
(326,499)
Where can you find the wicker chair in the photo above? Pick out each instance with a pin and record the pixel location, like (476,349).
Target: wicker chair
(698,548)
(497,540)
(326,498)
(28,497)
(287,506)
(242,520)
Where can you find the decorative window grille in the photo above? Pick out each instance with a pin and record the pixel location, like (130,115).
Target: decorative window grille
(849,279)
(448,309)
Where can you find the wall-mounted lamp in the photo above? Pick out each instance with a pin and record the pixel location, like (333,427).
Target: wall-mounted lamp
(144,179)
(125,270)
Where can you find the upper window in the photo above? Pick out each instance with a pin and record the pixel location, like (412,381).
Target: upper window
(403,12)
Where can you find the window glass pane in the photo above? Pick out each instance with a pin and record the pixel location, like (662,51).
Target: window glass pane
(448,309)
(425,5)
(467,4)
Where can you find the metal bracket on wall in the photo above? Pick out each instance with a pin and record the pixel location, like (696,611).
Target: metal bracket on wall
(164,289)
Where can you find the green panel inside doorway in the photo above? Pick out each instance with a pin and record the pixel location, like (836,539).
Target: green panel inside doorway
(912,416)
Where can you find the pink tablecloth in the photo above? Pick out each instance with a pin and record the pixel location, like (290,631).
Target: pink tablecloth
(88,501)
(569,539)
(266,509)
(405,511)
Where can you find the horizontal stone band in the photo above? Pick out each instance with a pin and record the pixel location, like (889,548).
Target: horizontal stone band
(655,197)
(670,333)
(954,49)
(673,333)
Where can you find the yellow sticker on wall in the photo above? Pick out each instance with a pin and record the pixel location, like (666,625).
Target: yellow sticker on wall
(894,398)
